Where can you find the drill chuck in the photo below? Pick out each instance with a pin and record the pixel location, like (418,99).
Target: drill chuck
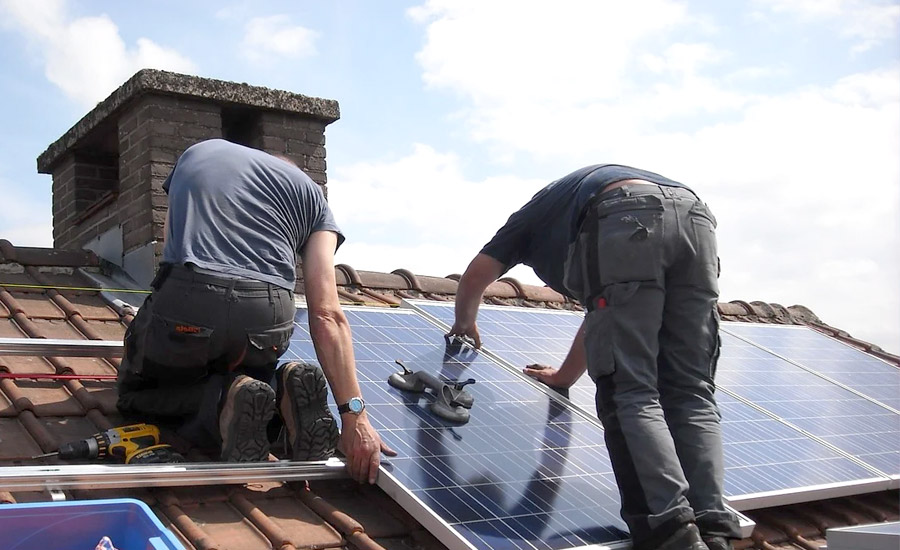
(83,448)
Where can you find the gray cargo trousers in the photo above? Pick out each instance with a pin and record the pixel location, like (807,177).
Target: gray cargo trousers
(645,265)
(192,336)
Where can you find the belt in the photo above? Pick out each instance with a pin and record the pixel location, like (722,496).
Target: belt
(184,273)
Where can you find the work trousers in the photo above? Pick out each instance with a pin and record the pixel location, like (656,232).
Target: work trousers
(191,337)
(645,265)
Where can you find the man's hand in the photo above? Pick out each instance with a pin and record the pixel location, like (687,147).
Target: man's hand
(470,331)
(547,375)
(362,447)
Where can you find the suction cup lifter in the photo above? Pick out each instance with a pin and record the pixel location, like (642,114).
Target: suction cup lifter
(458,340)
(451,401)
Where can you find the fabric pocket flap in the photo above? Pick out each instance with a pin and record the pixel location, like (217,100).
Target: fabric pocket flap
(273,337)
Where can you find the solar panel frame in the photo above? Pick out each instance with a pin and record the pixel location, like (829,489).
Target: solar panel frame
(839,473)
(394,474)
(883,387)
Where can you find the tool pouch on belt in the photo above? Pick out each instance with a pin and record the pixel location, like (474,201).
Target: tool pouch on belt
(266,345)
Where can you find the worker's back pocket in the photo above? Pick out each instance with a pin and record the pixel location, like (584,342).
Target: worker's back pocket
(266,345)
(179,344)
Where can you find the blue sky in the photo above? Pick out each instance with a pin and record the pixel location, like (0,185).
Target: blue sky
(784,115)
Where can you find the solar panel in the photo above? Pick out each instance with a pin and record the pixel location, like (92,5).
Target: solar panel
(524,472)
(766,460)
(828,357)
(520,337)
(852,424)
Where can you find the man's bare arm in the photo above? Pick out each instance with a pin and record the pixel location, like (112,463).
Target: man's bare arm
(332,339)
(482,271)
(571,369)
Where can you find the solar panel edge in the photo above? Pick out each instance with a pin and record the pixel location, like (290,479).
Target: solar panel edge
(769,499)
(429,519)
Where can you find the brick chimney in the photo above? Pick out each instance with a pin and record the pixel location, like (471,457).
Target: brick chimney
(109,168)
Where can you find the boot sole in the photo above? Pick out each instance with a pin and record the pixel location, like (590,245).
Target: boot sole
(254,406)
(317,432)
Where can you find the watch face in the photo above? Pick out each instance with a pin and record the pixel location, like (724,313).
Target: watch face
(356,405)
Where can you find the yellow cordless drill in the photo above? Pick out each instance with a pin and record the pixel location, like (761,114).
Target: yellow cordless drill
(134,444)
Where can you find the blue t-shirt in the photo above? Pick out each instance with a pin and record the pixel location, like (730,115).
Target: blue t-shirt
(242,212)
(538,234)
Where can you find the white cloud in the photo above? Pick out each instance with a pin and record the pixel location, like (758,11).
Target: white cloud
(423,198)
(275,36)
(868,21)
(806,184)
(493,51)
(85,57)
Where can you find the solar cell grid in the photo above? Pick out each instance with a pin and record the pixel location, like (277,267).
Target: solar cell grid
(764,455)
(860,371)
(849,422)
(524,472)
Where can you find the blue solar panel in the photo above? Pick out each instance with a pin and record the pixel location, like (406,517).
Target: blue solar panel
(763,455)
(522,337)
(525,472)
(845,365)
(853,424)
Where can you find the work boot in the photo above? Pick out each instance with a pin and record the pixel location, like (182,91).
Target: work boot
(312,431)
(687,537)
(718,543)
(249,405)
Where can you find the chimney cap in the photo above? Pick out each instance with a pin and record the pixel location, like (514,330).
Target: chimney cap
(152,81)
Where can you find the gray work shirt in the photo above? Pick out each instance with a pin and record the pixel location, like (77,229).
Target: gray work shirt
(242,212)
(538,234)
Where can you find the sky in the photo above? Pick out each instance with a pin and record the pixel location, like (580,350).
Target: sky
(783,115)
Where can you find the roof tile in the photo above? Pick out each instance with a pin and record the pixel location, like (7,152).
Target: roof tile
(17,442)
(296,523)
(108,330)
(225,526)
(378,515)
(36,305)
(45,398)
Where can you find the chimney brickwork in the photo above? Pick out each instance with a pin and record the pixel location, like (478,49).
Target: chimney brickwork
(109,168)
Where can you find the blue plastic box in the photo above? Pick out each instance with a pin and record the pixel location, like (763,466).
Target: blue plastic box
(79,525)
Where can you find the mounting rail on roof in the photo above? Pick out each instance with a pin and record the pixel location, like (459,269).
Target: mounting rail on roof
(110,476)
(61,348)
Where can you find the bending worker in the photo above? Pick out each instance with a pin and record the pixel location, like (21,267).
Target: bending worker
(638,250)
(203,349)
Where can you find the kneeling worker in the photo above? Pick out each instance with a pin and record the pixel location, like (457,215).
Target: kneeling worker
(203,349)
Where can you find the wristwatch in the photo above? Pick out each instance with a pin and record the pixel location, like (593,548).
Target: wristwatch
(356,405)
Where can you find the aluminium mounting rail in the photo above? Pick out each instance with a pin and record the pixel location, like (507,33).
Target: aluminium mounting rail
(182,474)
(51,347)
